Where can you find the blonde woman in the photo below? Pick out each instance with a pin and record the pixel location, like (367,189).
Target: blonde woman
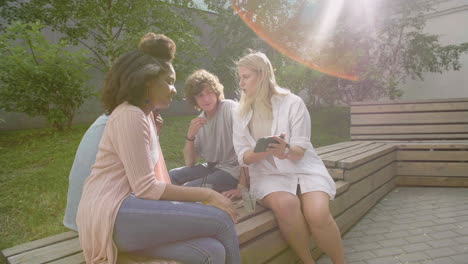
(289,177)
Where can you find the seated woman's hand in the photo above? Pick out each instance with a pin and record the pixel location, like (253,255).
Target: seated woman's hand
(278,149)
(233,194)
(219,201)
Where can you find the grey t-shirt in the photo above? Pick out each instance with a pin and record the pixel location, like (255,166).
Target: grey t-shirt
(213,141)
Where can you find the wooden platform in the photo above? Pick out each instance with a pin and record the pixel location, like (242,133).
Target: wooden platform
(392,152)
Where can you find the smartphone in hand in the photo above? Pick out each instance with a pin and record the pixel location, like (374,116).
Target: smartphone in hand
(262,144)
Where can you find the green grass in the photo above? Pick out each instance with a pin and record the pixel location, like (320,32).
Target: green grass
(35,163)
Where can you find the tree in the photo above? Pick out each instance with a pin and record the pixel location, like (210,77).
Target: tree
(39,78)
(360,55)
(110,28)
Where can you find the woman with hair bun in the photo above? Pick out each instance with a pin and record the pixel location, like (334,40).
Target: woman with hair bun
(156,45)
(127,203)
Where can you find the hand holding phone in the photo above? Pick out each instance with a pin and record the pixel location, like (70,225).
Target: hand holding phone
(262,143)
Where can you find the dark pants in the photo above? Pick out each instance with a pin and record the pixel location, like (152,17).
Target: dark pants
(201,174)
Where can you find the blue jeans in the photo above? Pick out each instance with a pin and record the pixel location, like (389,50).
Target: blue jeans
(202,173)
(182,231)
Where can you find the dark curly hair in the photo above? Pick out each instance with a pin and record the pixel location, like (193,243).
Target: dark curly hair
(195,82)
(158,45)
(127,79)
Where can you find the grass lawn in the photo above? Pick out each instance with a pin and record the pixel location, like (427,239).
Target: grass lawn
(34,167)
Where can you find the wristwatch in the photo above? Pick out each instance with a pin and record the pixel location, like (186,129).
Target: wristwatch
(286,150)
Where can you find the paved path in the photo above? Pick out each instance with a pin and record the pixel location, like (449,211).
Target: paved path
(411,225)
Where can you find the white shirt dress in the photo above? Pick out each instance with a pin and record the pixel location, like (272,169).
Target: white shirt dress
(290,115)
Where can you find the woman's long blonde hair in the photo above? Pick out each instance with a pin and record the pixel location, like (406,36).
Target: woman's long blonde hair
(266,85)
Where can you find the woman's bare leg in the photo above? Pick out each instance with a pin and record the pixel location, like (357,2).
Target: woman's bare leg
(322,225)
(287,210)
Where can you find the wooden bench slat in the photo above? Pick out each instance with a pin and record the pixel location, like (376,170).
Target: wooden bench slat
(73,259)
(410,107)
(48,253)
(362,158)
(263,248)
(433,145)
(410,118)
(254,227)
(39,243)
(361,189)
(410,137)
(366,169)
(341,187)
(360,144)
(400,102)
(409,129)
(331,148)
(336,173)
(439,181)
(359,150)
(437,155)
(445,169)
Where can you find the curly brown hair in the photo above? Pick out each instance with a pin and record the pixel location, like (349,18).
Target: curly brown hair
(128,77)
(158,45)
(195,84)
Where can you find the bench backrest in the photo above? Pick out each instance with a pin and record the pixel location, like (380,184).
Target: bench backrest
(444,119)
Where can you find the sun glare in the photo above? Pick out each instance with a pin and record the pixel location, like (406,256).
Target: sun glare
(307,33)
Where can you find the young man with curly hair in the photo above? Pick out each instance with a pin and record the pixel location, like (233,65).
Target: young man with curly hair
(209,136)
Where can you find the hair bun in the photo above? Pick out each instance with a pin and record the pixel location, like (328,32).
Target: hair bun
(158,46)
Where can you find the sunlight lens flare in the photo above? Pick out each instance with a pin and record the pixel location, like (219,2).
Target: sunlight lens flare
(318,34)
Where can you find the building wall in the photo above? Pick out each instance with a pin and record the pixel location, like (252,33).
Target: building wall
(450,22)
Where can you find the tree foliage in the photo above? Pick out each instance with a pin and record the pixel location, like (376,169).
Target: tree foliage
(110,28)
(39,78)
(362,57)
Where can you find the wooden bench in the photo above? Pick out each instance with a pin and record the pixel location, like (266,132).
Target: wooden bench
(405,143)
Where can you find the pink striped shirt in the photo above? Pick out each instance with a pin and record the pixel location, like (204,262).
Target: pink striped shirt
(129,160)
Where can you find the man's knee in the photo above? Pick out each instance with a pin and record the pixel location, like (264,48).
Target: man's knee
(177,175)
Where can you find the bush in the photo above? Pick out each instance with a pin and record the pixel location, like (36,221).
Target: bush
(39,78)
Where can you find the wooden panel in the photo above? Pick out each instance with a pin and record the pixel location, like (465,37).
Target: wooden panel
(437,155)
(73,259)
(360,144)
(341,187)
(364,170)
(263,248)
(365,157)
(410,137)
(48,253)
(361,189)
(409,129)
(332,159)
(409,118)
(432,169)
(289,257)
(351,216)
(419,107)
(244,215)
(396,102)
(432,181)
(336,173)
(335,147)
(256,226)
(458,145)
(39,243)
